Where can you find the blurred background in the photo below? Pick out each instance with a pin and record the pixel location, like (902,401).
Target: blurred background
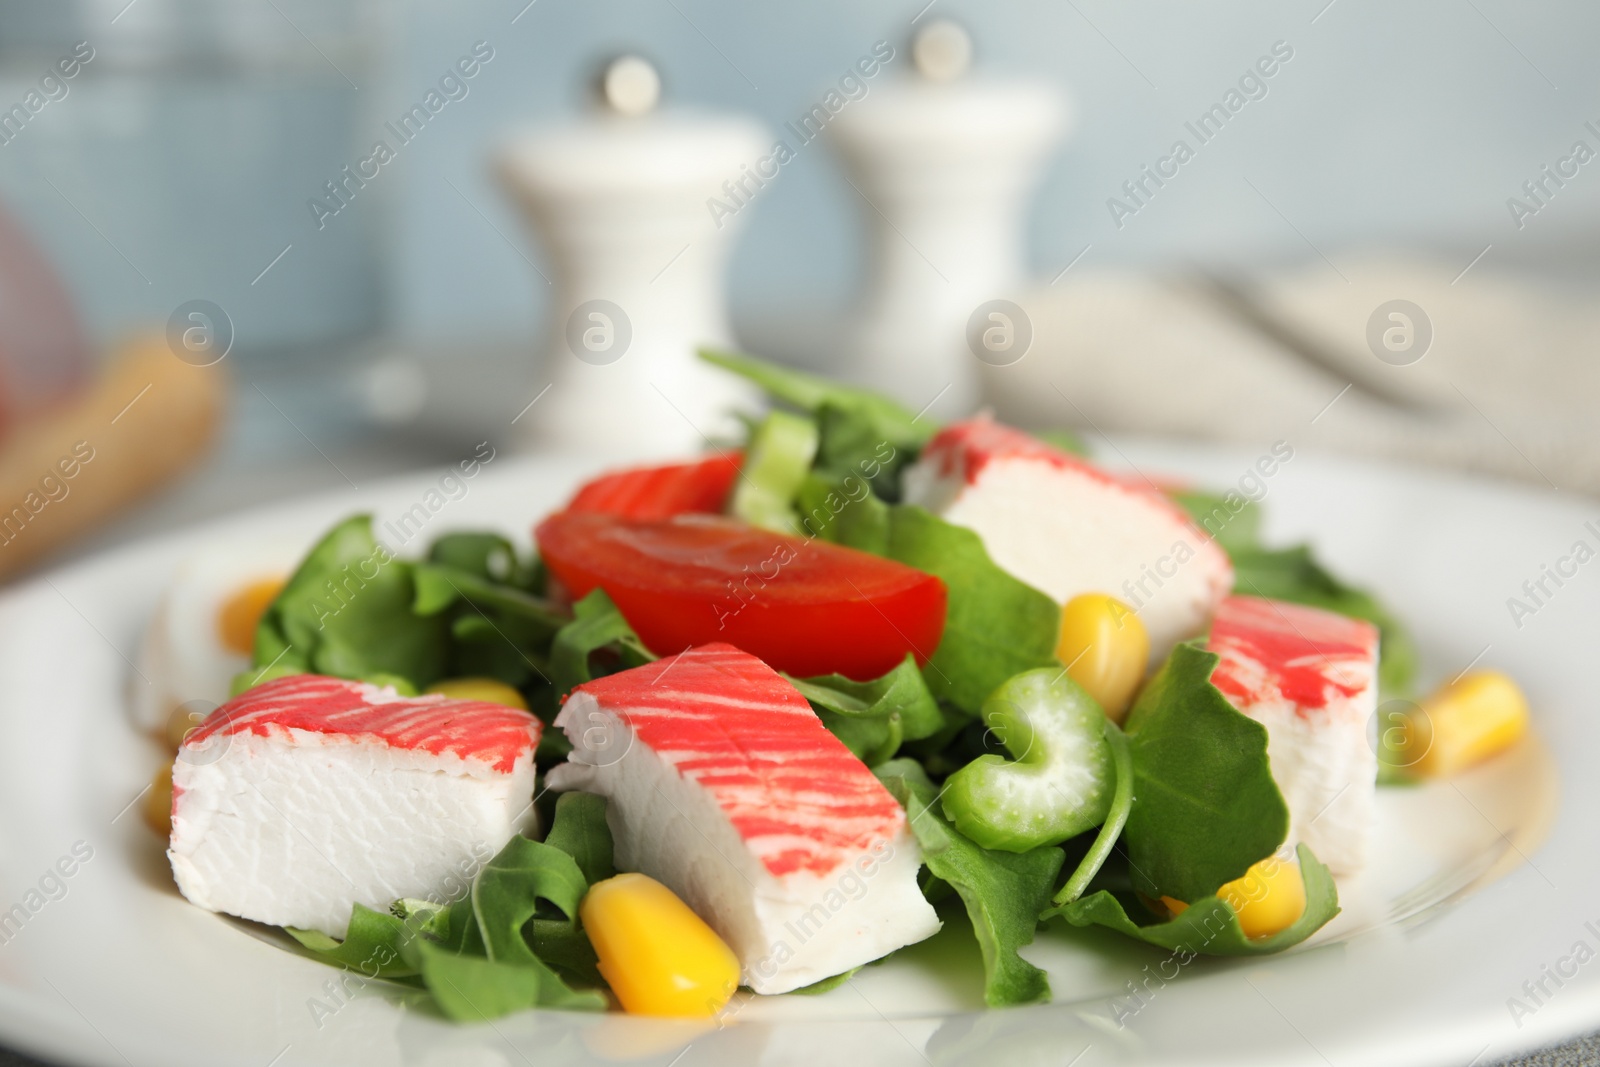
(1379,163)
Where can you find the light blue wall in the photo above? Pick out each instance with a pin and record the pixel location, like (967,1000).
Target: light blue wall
(1394,123)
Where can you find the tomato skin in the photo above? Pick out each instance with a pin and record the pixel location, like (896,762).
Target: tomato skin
(661,492)
(806,607)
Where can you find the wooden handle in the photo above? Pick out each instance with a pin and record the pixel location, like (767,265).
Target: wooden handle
(149,417)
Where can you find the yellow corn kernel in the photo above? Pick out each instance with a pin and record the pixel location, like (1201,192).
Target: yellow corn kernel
(1464,723)
(1269,898)
(1105,648)
(239,614)
(659,957)
(157,806)
(488,690)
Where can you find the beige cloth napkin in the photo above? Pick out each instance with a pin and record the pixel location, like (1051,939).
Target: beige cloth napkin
(1509,384)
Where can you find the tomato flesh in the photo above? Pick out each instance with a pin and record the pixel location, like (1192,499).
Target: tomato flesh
(806,607)
(661,492)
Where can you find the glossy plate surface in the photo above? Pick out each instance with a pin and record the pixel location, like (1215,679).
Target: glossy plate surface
(1479,886)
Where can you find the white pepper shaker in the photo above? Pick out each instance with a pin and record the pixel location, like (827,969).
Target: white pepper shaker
(619,199)
(945,165)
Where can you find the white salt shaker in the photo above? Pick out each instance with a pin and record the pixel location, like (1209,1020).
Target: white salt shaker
(945,165)
(620,201)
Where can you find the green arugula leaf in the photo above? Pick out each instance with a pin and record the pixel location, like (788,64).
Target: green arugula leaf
(995,626)
(596,624)
(1004,892)
(424,916)
(511,892)
(873,718)
(809,392)
(497,630)
(487,555)
(371,947)
(475,989)
(1294,574)
(511,888)
(347,612)
(1209,927)
(851,450)
(1205,805)
(440,585)
(826,985)
(959,741)
(581,831)
(566,947)
(453,925)
(517,889)
(843,510)
(1233,521)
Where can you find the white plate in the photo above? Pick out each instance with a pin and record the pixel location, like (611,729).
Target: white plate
(1480,885)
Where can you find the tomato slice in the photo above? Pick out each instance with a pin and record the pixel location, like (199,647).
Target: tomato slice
(806,607)
(661,492)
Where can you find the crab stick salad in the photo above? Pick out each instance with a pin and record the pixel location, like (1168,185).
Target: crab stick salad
(766,716)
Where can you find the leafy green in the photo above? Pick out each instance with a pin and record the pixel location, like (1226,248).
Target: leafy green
(1205,805)
(995,626)
(581,831)
(497,630)
(873,718)
(1116,818)
(851,449)
(1294,574)
(524,903)
(475,989)
(423,916)
(888,421)
(1058,781)
(352,610)
(959,740)
(857,470)
(487,555)
(371,947)
(596,625)
(347,612)
(1004,892)
(566,947)
(843,509)
(776,462)
(521,884)
(1209,926)
(826,985)
(509,889)
(440,585)
(1233,521)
